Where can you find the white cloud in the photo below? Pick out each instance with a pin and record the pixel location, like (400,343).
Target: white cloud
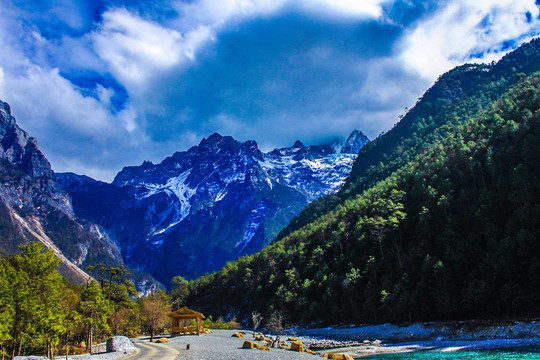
(463,28)
(140,52)
(214,13)
(136,48)
(349,8)
(67,123)
(45,97)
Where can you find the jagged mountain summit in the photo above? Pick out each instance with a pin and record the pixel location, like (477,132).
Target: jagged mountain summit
(219,200)
(34,208)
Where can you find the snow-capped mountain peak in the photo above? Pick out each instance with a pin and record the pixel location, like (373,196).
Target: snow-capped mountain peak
(216,201)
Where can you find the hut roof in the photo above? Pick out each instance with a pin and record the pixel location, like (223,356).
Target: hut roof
(186,313)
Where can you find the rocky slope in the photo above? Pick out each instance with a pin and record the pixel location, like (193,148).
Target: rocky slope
(34,208)
(219,200)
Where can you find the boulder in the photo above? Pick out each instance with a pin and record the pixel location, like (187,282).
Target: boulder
(297,346)
(263,348)
(120,344)
(237,335)
(337,356)
(251,345)
(162,340)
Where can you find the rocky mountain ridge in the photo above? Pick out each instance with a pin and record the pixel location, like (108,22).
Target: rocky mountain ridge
(34,208)
(219,200)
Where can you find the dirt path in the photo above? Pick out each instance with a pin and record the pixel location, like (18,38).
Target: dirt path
(151,351)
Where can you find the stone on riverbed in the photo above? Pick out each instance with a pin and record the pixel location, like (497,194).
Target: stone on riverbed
(251,345)
(120,344)
(297,346)
(338,356)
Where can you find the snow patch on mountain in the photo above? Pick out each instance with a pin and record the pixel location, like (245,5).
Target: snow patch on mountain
(175,186)
(255,222)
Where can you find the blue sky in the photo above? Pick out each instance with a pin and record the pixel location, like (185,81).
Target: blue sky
(104,84)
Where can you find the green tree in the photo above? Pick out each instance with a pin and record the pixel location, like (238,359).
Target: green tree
(73,320)
(6,305)
(95,309)
(35,290)
(119,292)
(179,293)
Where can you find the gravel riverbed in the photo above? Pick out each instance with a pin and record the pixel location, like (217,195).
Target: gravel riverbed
(220,345)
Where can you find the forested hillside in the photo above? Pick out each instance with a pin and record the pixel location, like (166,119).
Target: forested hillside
(457,96)
(439,221)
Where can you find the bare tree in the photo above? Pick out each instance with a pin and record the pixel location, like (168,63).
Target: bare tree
(276,325)
(256,319)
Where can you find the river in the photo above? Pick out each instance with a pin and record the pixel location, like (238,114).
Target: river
(519,353)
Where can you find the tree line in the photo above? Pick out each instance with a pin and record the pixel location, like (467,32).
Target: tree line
(43,313)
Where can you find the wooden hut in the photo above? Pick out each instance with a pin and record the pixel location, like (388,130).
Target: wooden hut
(182,322)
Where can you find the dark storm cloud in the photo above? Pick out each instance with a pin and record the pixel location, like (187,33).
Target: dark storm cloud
(257,69)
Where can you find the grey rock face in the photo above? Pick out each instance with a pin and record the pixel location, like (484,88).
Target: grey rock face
(200,208)
(34,208)
(20,149)
(120,344)
(354,142)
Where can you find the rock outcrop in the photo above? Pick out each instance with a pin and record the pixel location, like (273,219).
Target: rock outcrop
(120,344)
(34,208)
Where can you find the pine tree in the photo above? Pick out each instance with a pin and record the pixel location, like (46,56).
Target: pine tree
(96,310)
